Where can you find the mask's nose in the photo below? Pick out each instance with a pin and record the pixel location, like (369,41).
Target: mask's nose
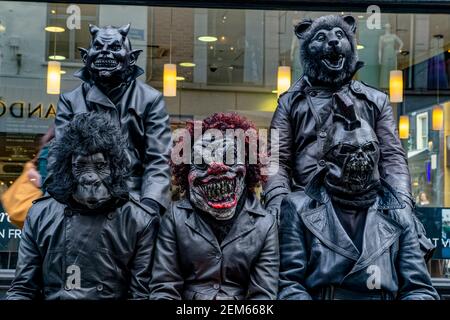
(217,168)
(333,43)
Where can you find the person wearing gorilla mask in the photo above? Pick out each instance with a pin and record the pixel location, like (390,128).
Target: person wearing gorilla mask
(217,242)
(328,52)
(89,238)
(347,235)
(110,85)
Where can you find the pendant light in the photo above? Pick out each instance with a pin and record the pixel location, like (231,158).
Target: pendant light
(403,127)
(396,86)
(283,79)
(54,70)
(170,70)
(437,118)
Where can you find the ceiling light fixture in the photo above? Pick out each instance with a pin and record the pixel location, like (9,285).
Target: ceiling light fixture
(54,29)
(207,38)
(187,64)
(57,57)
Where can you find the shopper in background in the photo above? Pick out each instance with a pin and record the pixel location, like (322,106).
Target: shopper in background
(19,197)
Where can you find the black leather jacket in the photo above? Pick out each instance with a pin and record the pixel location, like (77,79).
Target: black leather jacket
(302,130)
(142,114)
(112,249)
(319,261)
(190,264)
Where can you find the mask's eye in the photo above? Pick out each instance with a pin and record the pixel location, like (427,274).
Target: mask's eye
(100,165)
(98,46)
(200,166)
(347,148)
(339,34)
(369,147)
(115,47)
(320,37)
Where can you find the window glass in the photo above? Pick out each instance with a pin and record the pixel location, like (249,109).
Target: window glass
(227,60)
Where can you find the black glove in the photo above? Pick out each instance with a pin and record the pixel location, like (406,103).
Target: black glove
(152,204)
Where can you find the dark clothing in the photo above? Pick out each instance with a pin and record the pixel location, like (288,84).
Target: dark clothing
(142,115)
(318,260)
(353,221)
(220,228)
(302,118)
(190,263)
(111,248)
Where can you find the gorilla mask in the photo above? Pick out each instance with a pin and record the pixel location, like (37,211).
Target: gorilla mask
(110,57)
(328,49)
(215,186)
(90,172)
(351,152)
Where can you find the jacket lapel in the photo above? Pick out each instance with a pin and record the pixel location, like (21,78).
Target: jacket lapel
(380,233)
(324,224)
(245,222)
(95,95)
(194,222)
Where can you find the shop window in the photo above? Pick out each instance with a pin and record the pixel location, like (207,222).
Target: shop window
(65,44)
(422,131)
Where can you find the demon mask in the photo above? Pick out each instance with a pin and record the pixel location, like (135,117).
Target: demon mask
(351,152)
(328,49)
(90,165)
(216,185)
(110,58)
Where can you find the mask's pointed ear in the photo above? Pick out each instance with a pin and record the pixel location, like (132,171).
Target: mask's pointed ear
(134,55)
(123,30)
(301,27)
(351,22)
(93,29)
(83,53)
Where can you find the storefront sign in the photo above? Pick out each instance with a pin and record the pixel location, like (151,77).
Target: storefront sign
(21,109)
(437,225)
(9,234)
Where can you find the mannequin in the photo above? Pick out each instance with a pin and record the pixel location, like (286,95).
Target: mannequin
(387,54)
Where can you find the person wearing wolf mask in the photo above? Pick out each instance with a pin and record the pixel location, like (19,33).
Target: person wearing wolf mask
(347,235)
(88,238)
(218,242)
(110,85)
(328,52)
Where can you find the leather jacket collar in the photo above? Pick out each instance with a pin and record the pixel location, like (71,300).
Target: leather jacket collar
(387,197)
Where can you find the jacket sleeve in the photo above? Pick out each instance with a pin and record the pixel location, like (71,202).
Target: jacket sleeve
(279,180)
(167,280)
(293,255)
(393,163)
(264,276)
(27,284)
(64,115)
(156,177)
(414,279)
(141,265)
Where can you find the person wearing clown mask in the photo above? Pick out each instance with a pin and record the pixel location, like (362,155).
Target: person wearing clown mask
(217,243)
(348,236)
